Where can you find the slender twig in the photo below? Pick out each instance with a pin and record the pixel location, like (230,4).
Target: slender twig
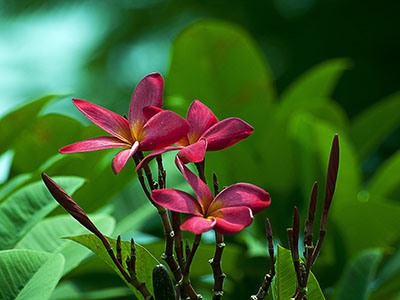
(201,170)
(216,185)
(118,248)
(176,223)
(161,173)
(141,179)
(147,171)
(168,254)
(186,274)
(295,245)
(263,290)
(215,262)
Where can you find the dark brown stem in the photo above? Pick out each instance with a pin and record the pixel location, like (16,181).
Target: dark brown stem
(216,185)
(263,290)
(295,245)
(176,223)
(215,262)
(186,274)
(168,254)
(140,286)
(141,179)
(119,256)
(161,173)
(201,170)
(147,171)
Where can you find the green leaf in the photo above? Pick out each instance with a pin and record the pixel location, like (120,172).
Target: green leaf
(387,281)
(372,126)
(219,64)
(29,275)
(359,275)
(26,207)
(42,140)
(144,262)
(45,236)
(20,120)
(367,224)
(386,181)
(71,291)
(314,138)
(13,184)
(315,85)
(284,283)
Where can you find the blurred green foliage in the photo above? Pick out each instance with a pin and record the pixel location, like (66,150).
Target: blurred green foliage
(244,62)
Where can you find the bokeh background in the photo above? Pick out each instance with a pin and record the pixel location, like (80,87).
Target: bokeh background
(298,71)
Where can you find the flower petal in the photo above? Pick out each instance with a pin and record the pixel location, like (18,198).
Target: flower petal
(98,143)
(231,220)
(122,157)
(145,161)
(149,92)
(176,201)
(162,130)
(241,194)
(198,225)
(107,120)
(200,118)
(226,133)
(194,152)
(201,190)
(150,111)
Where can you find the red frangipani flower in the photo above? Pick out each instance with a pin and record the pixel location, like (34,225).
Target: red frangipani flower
(145,130)
(205,133)
(228,213)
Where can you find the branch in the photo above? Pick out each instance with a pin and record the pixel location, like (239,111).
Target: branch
(263,290)
(215,262)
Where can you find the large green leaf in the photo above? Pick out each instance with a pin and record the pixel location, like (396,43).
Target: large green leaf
(315,85)
(387,281)
(144,262)
(356,280)
(45,236)
(314,138)
(373,125)
(42,140)
(368,224)
(219,64)
(20,120)
(26,207)
(29,275)
(13,184)
(386,181)
(71,291)
(284,283)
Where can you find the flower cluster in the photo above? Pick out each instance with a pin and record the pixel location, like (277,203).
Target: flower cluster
(150,128)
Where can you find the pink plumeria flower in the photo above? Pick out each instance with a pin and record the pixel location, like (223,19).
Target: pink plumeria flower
(144,130)
(228,213)
(206,133)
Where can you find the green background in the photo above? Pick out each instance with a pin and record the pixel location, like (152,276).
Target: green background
(298,71)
